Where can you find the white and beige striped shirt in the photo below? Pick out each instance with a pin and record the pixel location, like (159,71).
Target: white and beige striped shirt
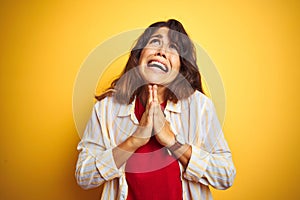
(194,118)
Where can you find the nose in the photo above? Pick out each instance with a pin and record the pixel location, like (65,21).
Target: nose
(161,52)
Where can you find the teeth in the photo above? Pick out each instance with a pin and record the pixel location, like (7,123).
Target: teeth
(159,64)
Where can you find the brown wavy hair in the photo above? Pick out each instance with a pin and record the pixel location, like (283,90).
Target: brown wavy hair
(129,85)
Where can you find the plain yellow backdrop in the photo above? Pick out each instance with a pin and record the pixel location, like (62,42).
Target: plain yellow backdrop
(254,44)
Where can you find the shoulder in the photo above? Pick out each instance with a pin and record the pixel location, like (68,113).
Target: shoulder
(109,107)
(198,94)
(107,103)
(202,107)
(200,99)
(106,100)
(199,104)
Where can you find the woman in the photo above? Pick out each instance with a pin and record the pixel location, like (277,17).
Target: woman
(154,134)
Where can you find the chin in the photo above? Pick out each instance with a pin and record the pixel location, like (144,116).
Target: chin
(154,82)
(158,83)
(155,79)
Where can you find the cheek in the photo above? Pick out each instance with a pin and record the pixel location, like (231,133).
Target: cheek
(145,53)
(141,58)
(176,64)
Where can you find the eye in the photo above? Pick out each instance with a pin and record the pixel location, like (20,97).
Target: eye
(174,46)
(155,42)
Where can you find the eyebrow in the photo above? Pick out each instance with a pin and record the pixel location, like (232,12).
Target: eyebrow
(158,36)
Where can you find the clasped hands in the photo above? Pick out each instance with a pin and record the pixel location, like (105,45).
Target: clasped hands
(153,121)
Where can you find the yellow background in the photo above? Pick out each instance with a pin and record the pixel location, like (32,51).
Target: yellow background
(254,44)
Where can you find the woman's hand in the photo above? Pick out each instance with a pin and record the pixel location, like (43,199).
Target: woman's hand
(139,138)
(153,119)
(144,131)
(161,126)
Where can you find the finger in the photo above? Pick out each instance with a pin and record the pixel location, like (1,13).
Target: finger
(151,110)
(156,108)
(155,93)
(150,99)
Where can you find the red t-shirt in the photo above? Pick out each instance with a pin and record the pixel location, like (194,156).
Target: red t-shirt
(151,173)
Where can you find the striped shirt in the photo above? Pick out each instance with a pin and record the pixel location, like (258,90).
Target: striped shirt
(193,118)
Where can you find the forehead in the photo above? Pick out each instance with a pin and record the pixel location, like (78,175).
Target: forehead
(169,36)
(162,32)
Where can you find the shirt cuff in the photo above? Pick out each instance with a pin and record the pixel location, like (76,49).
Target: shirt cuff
(197,164)
(106,165)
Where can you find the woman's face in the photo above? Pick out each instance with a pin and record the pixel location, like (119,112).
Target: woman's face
(159,62)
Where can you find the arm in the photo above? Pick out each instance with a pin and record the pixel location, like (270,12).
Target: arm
(167,138)
(211,162)
(142,135)
(97,163)
(207,161)
(164,134)
(93,154)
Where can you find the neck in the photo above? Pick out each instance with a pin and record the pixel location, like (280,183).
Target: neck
(160,94)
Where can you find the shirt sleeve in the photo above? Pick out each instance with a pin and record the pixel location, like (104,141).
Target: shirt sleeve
(211,160)
(95,163)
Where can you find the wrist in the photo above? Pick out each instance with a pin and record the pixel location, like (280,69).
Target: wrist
(135,142)
(171,141)
(178,143)
(169,137)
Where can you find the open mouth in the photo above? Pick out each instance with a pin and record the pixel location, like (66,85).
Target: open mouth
(159,65)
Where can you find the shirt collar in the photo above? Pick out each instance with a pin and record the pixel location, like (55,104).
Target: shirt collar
(173,107)
(126,110)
